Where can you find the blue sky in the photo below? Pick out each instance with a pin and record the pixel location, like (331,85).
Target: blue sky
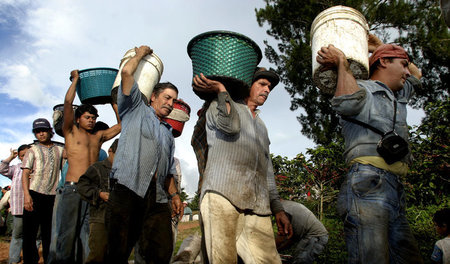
(42,41)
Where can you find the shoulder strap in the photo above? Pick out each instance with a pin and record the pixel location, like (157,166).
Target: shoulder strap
(376,130)
(395,115)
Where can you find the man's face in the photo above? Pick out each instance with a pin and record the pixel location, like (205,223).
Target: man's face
(260,91)
(163,102)
(398,71)
(22,154)
(87,121)
(43,135)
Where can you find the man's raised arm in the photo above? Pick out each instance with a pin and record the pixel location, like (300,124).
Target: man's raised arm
(68,101)
(130,67)
(333,58)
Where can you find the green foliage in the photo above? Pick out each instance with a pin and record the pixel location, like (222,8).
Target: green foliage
(319,177)
(421,222)
(194,203)
(290,176)
(428,180)
(335,251)
(183,195)
(416,25)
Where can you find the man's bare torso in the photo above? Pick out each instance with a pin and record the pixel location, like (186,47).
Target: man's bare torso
(82,151)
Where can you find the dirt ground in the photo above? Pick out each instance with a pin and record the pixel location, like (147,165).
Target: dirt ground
(4,241)
(187,225)
(4,249)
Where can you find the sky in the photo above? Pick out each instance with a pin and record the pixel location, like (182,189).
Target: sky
(42,41)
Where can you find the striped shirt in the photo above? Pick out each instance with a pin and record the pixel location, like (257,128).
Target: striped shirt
(14,172)
(146,146)
(45,164)
(239,165)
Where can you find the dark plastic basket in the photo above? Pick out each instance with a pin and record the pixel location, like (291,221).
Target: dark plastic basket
(58,123)
(94,86)
(225,56)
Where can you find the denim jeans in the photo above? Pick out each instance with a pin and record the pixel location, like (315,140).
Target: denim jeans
(51,254)
(372,205)
(308,248)
(16,239)
(71,228)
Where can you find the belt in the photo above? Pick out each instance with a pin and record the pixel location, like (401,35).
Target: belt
(70,183)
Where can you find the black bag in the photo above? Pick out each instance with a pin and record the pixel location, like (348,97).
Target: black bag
(392,147)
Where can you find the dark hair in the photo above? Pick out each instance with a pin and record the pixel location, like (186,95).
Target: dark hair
(442,217)
(22,147)
(114,145)
(162,86)
(85,108)
(100,126)
(374,66)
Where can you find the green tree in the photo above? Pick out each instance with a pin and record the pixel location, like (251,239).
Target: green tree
(428,181)
(416,25)
(183,195)
(291,177)
(194,203)
(327,170)
(316,179)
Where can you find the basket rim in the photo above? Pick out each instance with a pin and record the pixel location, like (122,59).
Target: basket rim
(59,105)
(224,32)
(91,69)
(99,68)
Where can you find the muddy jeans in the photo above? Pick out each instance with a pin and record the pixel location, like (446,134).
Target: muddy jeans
(372,204)
(229,232)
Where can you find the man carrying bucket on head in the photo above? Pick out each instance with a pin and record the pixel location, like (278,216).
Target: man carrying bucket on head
(82,144)
(138,208)
(238,193)
(372,200)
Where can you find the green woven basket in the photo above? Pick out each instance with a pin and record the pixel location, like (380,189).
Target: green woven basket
(226,56)
(94,86)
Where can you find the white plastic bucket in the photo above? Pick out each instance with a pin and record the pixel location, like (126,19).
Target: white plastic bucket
(148,72)
(346,29)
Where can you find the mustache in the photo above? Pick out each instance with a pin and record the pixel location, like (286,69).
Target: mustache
(266,94)
(167,107)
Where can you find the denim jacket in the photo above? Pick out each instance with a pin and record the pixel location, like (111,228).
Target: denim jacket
(373,105)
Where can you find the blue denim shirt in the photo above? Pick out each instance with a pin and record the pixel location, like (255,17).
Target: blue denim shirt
(373,105)
(146,146)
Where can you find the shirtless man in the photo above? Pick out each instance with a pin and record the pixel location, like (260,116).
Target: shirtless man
(82,147)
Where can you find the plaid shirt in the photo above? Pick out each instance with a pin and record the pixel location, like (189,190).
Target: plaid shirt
(14,172)
(45,164)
